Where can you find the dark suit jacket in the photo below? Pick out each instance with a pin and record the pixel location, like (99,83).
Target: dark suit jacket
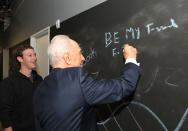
(66,99)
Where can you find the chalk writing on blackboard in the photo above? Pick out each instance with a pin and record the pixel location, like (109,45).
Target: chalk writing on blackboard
(135,33)
(173,73)
(178,127)
(150,27)
(89,57)
(153,78)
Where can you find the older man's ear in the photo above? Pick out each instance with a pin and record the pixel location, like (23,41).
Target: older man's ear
(67,59)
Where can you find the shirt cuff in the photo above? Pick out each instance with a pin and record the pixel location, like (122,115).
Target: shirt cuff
(132,60)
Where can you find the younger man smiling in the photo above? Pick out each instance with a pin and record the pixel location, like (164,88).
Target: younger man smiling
(16,93)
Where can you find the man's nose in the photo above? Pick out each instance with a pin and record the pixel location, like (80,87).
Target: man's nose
(35,58)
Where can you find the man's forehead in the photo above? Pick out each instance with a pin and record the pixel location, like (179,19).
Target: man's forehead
(26,51)
(75,44)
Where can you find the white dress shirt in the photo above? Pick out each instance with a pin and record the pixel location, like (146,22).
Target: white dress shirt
(132,60)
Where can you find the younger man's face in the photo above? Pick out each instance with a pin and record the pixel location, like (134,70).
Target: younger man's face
(28,59)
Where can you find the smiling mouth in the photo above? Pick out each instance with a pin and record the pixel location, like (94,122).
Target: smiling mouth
(34,63)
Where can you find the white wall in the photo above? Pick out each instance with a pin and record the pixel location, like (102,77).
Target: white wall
(34,15)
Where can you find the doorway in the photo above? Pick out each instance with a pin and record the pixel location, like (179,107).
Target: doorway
(40,42)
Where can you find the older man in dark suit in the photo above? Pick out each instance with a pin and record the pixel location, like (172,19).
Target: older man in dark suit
(66,99)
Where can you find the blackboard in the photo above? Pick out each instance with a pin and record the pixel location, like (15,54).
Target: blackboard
(159,30)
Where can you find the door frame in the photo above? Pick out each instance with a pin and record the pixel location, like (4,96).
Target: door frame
(38,35)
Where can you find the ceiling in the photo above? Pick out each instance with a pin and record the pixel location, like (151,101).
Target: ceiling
(6,9)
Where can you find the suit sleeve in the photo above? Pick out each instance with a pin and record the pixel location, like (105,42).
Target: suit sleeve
(6,102)
(108,91)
